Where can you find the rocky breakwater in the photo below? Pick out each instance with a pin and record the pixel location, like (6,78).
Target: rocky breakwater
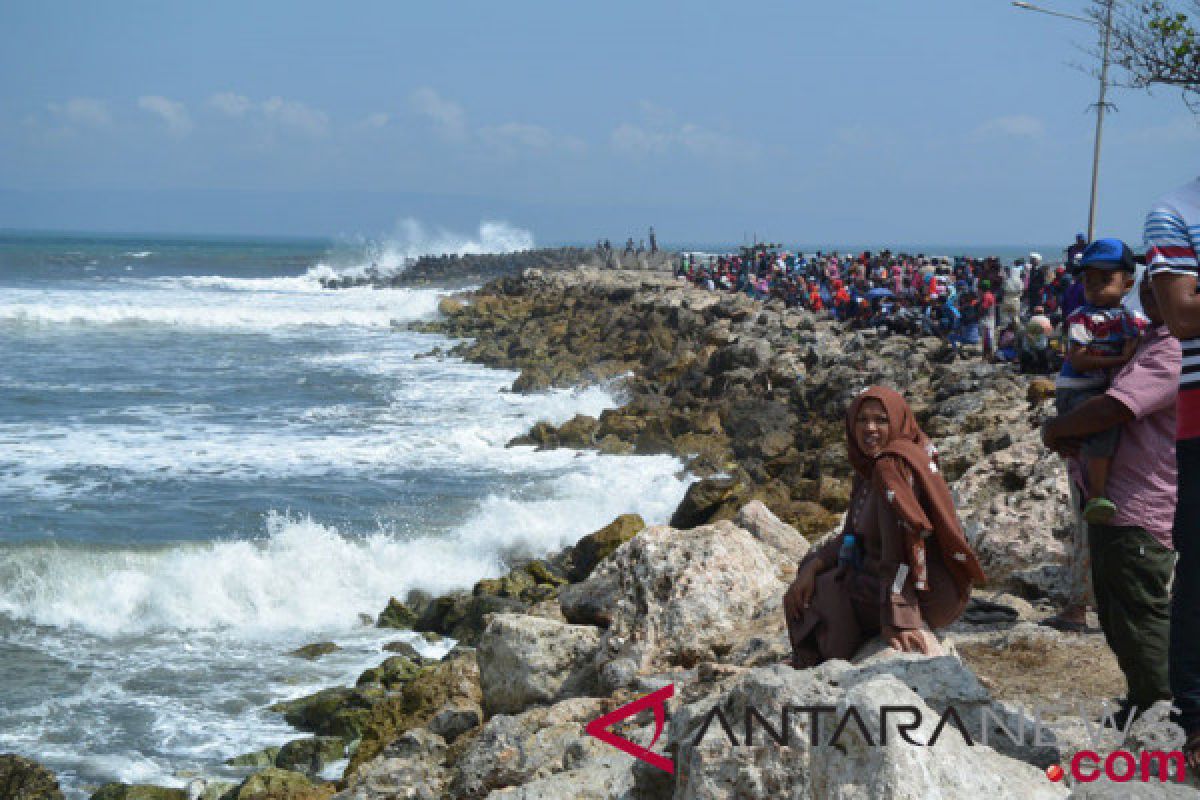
(477,268)
(751,397)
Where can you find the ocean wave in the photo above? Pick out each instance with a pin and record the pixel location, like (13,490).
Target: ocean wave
(412,240)
(441,416)
(304,284)
(212,311)
(305,576)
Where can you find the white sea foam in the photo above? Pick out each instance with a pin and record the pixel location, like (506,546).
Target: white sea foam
(167,306)
(442,415)
(304,576)
(411,240)
(140,253)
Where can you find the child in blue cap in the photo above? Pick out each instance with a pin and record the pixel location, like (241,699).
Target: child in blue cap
(1102,335)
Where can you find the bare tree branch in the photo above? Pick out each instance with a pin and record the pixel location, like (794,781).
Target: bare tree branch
(1156,43)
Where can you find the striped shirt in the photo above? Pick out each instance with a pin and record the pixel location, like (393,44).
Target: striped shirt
(1172,240)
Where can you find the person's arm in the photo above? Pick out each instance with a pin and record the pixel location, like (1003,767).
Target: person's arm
(1172,265)
(1093,416)
(1179,303)
(897,610)
(901,623)
(1084,360)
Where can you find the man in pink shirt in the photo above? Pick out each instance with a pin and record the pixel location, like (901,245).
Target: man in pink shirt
(1133,555)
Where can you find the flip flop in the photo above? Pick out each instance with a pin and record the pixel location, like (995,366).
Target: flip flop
(1064,625)
(1099,511)
(1191,750)
(985,612)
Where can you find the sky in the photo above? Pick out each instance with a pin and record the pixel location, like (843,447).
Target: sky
(870,122)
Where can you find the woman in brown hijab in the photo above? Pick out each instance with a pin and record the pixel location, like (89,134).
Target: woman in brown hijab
(901,567)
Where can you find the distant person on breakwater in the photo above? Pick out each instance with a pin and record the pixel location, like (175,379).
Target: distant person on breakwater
(901,567)
(1074,251)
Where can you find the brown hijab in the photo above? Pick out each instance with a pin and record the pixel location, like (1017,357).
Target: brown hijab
(906,473)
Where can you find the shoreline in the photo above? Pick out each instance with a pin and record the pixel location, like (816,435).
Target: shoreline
(751,398)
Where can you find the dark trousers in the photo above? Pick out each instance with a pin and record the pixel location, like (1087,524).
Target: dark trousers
(1185,593)
(1130,571)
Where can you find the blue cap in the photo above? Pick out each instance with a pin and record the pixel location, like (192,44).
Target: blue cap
(1108,254)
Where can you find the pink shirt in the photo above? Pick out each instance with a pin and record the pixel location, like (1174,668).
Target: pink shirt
(1142,479)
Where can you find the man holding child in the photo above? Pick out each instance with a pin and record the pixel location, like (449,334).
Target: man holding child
(1131,552)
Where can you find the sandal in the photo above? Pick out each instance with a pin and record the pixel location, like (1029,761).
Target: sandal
(986,612)
(1191,751)
(1099,511)
(1065,625)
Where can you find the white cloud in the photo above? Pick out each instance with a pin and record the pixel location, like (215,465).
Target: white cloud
(1181,130)
(662,132)
(630,138)
(85,112)
(231,104)
(172,113)
(296,116)
(377,120)
(447,116)
(274,113)
(1020,126)
(513,136)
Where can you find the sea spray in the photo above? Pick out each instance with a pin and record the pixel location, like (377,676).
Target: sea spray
(410,241)
(304,576)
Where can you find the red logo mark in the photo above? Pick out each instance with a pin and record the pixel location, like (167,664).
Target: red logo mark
(1055,773)
(657,700)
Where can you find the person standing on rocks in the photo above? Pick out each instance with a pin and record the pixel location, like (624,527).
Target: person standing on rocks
(902,567)
(1172,239)
(1131,556)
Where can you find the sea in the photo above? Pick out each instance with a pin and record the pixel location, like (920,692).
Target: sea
(208,460)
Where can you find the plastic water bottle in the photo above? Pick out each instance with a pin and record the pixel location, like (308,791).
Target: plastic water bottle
(848,554)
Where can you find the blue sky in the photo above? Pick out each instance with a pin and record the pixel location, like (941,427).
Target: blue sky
(927,121)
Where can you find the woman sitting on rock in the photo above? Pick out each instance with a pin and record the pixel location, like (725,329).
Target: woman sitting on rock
(901,567)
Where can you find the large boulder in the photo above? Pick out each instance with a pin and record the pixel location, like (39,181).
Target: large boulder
(310,755)
(462,616)
(703,499)
(336,711)
(453,681)
(515,749)
(771,532)
(599,545)
(671,597)
(1015,509)
(410,767)
(854,766)
(526,660)
(315,650)
(396,615)
(24,779)
(281,784)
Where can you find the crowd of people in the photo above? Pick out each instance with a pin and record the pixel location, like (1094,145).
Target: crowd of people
(1128,422)
(1010,311)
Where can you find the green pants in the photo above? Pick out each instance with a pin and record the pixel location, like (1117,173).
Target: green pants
(1130,571)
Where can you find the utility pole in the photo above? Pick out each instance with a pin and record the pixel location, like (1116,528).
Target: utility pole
(1101,105)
